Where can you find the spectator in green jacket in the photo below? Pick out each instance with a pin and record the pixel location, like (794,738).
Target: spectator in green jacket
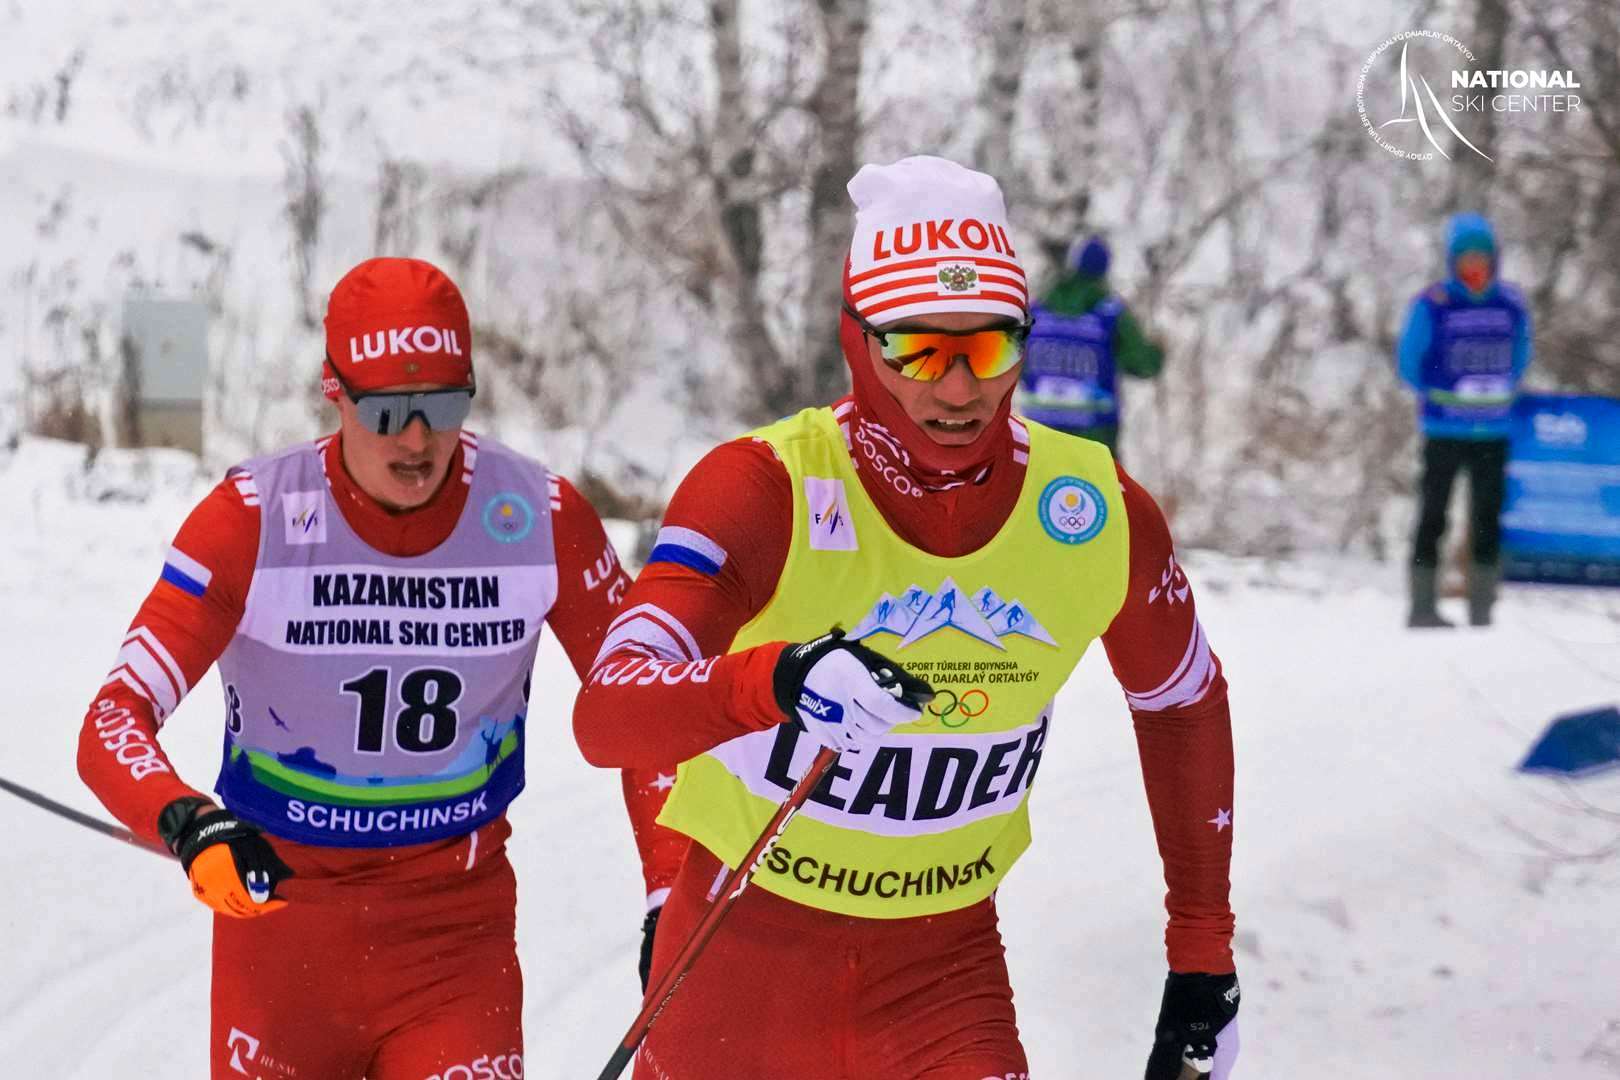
(1083,337)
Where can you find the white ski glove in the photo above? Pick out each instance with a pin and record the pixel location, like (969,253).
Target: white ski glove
(846,695)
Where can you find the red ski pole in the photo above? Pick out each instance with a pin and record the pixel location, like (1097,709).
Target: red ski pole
(730,887)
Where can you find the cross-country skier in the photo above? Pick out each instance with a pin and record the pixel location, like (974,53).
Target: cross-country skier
(1464,349)
(374,600)
(982,553)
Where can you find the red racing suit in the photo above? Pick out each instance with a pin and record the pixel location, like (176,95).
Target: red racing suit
(736,508)
(387,962)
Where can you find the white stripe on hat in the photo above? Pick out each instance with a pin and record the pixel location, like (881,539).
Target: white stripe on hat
(877,306)
(921,271)
(930,304)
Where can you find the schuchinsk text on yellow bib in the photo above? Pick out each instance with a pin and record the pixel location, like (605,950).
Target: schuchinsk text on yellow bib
(931,819)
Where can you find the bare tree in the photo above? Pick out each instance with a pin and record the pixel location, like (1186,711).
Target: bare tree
(64,84)
(722,138)
(127,392)
(834,107)
(1472,175)
(1008,47)
(305,206)
(400,185)
(1043,107)
(1255,402)
(1562,191)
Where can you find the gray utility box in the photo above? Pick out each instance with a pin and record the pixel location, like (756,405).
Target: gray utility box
(167,366)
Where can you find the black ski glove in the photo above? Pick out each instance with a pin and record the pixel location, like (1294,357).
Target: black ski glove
(1195,1009)
(649,927)
(232,867)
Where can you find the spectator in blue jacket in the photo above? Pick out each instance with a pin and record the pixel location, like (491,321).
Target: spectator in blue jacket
(1464,349)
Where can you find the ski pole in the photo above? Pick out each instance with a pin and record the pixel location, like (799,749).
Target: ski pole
(726,893)
(105,828)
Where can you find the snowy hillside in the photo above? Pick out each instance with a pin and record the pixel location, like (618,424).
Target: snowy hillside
(1408,906)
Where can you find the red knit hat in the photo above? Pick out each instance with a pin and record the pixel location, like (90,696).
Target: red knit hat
(391,322)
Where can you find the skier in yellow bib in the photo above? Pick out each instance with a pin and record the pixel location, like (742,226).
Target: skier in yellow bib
(952,544)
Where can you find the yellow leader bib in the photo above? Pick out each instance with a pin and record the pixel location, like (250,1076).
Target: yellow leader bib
(931,819)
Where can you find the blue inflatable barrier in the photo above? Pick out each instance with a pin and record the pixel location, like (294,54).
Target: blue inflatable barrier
(1577,745)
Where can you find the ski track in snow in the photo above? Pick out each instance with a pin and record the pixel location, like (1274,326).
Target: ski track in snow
(1400,914)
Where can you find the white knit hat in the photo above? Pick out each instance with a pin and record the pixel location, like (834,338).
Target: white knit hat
(931,236)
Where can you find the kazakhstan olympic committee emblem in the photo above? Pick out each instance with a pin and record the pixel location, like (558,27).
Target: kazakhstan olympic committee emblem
(1072,510)
(508,517)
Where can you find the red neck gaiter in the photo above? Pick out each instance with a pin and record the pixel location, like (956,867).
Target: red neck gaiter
(405,534)
(947,500)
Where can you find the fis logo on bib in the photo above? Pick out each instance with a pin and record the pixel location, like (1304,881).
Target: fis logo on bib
(817,707)
(828,506)
(1072,510)
(917,613)
(304,515)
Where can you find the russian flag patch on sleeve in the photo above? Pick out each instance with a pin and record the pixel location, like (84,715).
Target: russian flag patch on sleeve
(186,573)
(688,548)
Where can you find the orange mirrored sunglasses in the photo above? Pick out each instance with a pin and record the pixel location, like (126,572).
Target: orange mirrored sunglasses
(926,355)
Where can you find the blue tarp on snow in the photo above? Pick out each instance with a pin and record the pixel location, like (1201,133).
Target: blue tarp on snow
(1577,744)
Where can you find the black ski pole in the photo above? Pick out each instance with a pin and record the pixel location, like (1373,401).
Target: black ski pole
(105,828)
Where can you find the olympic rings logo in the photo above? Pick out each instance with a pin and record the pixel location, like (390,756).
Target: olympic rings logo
(961,709)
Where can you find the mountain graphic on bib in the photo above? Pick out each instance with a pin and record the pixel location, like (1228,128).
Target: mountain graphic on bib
(917,613)
(1010,618)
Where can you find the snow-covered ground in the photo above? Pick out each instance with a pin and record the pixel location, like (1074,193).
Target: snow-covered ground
(1409,906)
